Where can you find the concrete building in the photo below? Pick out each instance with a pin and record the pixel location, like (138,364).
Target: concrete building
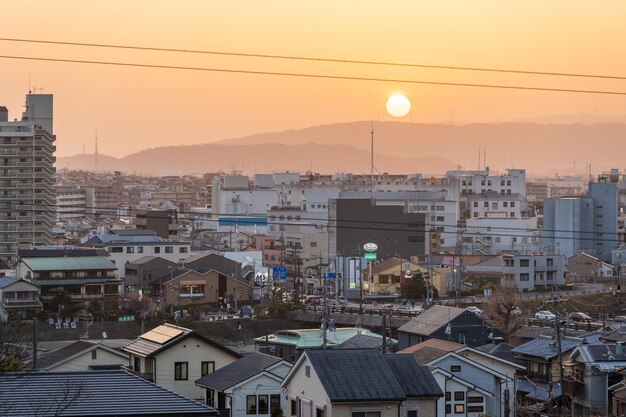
(164,223)
(568,224)
(529,272)
(27,191)
(492,235)
(605,213)
(587,268)
(71,203)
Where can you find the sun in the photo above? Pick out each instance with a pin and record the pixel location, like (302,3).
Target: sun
(398,105)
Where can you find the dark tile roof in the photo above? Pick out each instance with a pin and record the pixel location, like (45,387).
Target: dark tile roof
(97,393)
(501,350)
(545,348)
(604,352)
(355,375)
(52,358)
(57,253)
(238,371)
(431,320)
(415,380)
(361,341)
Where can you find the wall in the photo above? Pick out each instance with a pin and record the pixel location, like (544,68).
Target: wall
(426,407)
(82,362)
(261,385)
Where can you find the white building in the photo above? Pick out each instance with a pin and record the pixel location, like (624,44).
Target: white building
(492,235)
(71,203)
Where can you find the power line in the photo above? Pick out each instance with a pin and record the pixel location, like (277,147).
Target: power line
(316,76)
(316,59)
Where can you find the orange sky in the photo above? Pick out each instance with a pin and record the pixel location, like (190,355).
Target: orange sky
(137,108)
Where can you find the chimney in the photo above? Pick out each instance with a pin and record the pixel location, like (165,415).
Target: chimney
(4,114)
(619,348)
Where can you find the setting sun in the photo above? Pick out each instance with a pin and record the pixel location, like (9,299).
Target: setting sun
(398,105)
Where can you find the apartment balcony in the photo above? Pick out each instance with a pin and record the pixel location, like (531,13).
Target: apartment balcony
(8,153)
(8,164)
(9,175)
(17,303)
(194,295)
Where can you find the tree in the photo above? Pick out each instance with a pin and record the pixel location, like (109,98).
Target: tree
(15,346)
(502,309)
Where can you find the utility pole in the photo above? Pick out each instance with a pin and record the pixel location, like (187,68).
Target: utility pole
(384,347)
(557,328)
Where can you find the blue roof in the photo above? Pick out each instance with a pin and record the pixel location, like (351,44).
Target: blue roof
(546,348)
(94,393)
(6,281)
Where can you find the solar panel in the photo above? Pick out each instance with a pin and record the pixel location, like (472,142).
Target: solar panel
(162,334)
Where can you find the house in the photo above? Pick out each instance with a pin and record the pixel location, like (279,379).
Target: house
(587,268)
(387,275)
(289,344)
(83,278)
(91,393)
(249,386)
(208,261)
(447,323)
(175,357)
(540,356)
(590,372)
(475,383)
(360,383)
(82,356)
(19,298)
(431,349)
(200,287)
(141,272)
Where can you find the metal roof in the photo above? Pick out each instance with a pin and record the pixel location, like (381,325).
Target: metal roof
(431,320)
(312,338)
(56,357)
(546,348)
(69,263)
(92,393)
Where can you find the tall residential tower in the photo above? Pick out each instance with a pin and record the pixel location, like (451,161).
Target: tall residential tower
(27,177)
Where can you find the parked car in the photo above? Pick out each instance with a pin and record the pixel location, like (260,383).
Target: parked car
(544,315)
(619,318)
(578,317)
(475,310)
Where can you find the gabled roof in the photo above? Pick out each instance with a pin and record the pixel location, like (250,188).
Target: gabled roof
(546,348)
(70,263)
(431,320)
(164,337)
(7,281)
(501,351)
(462,381)
(312,338)
(415,380)
(361,341)
(389,263)
(431,349)
(238,371)
(57,357)
(97,393)
(355,375)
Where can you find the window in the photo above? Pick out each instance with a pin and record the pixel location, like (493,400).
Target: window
(512,203)
(475,409)
(459,395)
(494,206)
(307,371)
(180,371)
(313,244)
(448,396)
(169,249)
(130,249)
(524,263)
(448,408)
(117,249)
(207,367)
(474,399)
(263,404)
(250,404)
(505,204)
(549,262)
(411,413)
(475,203)
(319,412)
(524,277)
(486,204)
(440,218)
(455,368)
(139,249)
(459,408)
(274,403)
(182,249)
(137,365)
(94,354)
(210,397)
(294,408)
(366,414)
(157,249)
(460,339)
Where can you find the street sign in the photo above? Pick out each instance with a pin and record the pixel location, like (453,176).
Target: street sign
(370,247)
(280,273)
(330,275)
(370,256)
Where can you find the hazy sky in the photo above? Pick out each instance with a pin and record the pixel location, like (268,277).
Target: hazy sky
(135,108)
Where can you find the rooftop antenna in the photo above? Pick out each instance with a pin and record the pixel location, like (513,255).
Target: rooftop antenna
(95,154)
(372,161)
(479,156)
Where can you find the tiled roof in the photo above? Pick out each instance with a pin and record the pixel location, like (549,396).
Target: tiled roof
(431,349)
(431,320)
(361,341)
(63,263)
(238,371)
(312,338)
(94,393)
(501,350)
(355,375)
(545,348)
(6,281)
(415,380)
(52,358)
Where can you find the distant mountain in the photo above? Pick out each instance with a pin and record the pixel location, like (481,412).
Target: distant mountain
(399,148)
(256,159)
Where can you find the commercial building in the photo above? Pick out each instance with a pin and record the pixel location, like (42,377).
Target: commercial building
(27,189)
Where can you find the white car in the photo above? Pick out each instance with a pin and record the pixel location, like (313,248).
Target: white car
(544,315)
(475,310)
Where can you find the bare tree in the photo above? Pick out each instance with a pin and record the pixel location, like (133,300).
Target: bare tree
(503,311)
(15,346)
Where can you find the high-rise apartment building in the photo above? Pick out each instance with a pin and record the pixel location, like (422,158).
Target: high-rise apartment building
(27,177)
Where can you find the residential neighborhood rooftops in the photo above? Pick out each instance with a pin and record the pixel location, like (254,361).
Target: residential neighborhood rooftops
(238,371)
(546,348)
(93,393)
(66,353)
(361,341)
(431,349)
